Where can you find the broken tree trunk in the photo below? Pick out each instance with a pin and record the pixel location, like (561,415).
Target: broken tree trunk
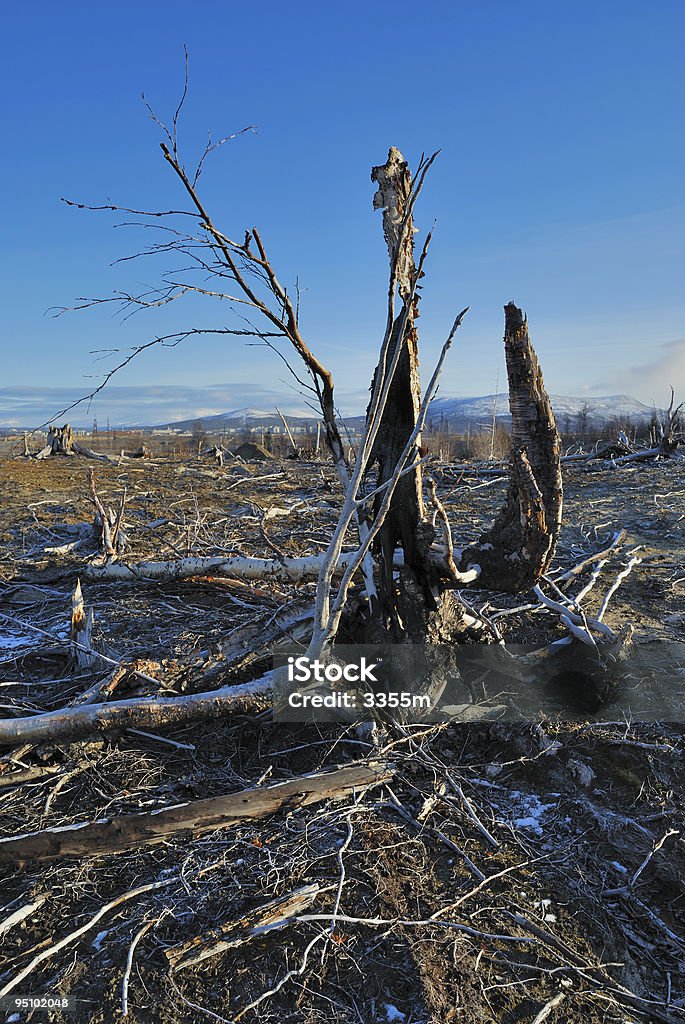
(61,441)
(404,611)
(217,452)
(520,545)
(404,397)
(142,452)
(144,713)
(81,651)
(242,567)
(130,831)
(108,528)
(295,449)
(671,429)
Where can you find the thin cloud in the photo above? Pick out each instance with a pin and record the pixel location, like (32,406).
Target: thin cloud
(654,378)
(149,405)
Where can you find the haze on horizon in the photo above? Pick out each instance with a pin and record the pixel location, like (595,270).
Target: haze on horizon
(559,185)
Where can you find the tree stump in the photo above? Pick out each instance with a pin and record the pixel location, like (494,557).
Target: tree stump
(520,545)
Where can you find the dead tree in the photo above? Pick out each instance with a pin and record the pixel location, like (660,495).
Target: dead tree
(670,439)
(519,547)
(216,452)
(403,524)
(671,434)
(384,486)
(409,566)
(108,526)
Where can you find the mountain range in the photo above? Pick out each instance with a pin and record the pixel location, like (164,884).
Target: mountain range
(458,412)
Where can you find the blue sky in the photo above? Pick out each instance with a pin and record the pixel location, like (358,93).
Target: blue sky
(559,185)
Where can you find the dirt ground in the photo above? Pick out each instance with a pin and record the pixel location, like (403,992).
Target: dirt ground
(508,872)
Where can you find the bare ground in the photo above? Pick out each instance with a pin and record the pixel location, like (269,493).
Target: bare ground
(547,856)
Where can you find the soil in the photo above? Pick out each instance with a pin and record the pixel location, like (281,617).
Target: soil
(548,854)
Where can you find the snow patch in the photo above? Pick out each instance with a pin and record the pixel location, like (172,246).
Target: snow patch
(97,941)
(11,641)
(531,810)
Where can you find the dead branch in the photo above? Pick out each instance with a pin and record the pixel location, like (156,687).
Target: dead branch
(66,940)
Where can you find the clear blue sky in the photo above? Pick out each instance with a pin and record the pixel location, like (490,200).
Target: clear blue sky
(560,183)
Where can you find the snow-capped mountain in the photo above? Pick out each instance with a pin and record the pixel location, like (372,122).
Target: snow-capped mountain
(458,412)
(247,417)
(599,410)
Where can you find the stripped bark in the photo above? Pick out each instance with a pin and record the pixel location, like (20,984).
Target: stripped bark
(130,831)
(520,545)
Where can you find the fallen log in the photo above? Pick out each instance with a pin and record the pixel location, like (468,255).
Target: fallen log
(239,566)
(130,831)
(271,916)
(72,723)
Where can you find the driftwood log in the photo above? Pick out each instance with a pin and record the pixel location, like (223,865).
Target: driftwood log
(130,831)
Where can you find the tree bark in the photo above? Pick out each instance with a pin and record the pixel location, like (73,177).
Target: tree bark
(520,545)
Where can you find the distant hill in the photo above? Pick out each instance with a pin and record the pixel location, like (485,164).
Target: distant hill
(240,418)
(458,412)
